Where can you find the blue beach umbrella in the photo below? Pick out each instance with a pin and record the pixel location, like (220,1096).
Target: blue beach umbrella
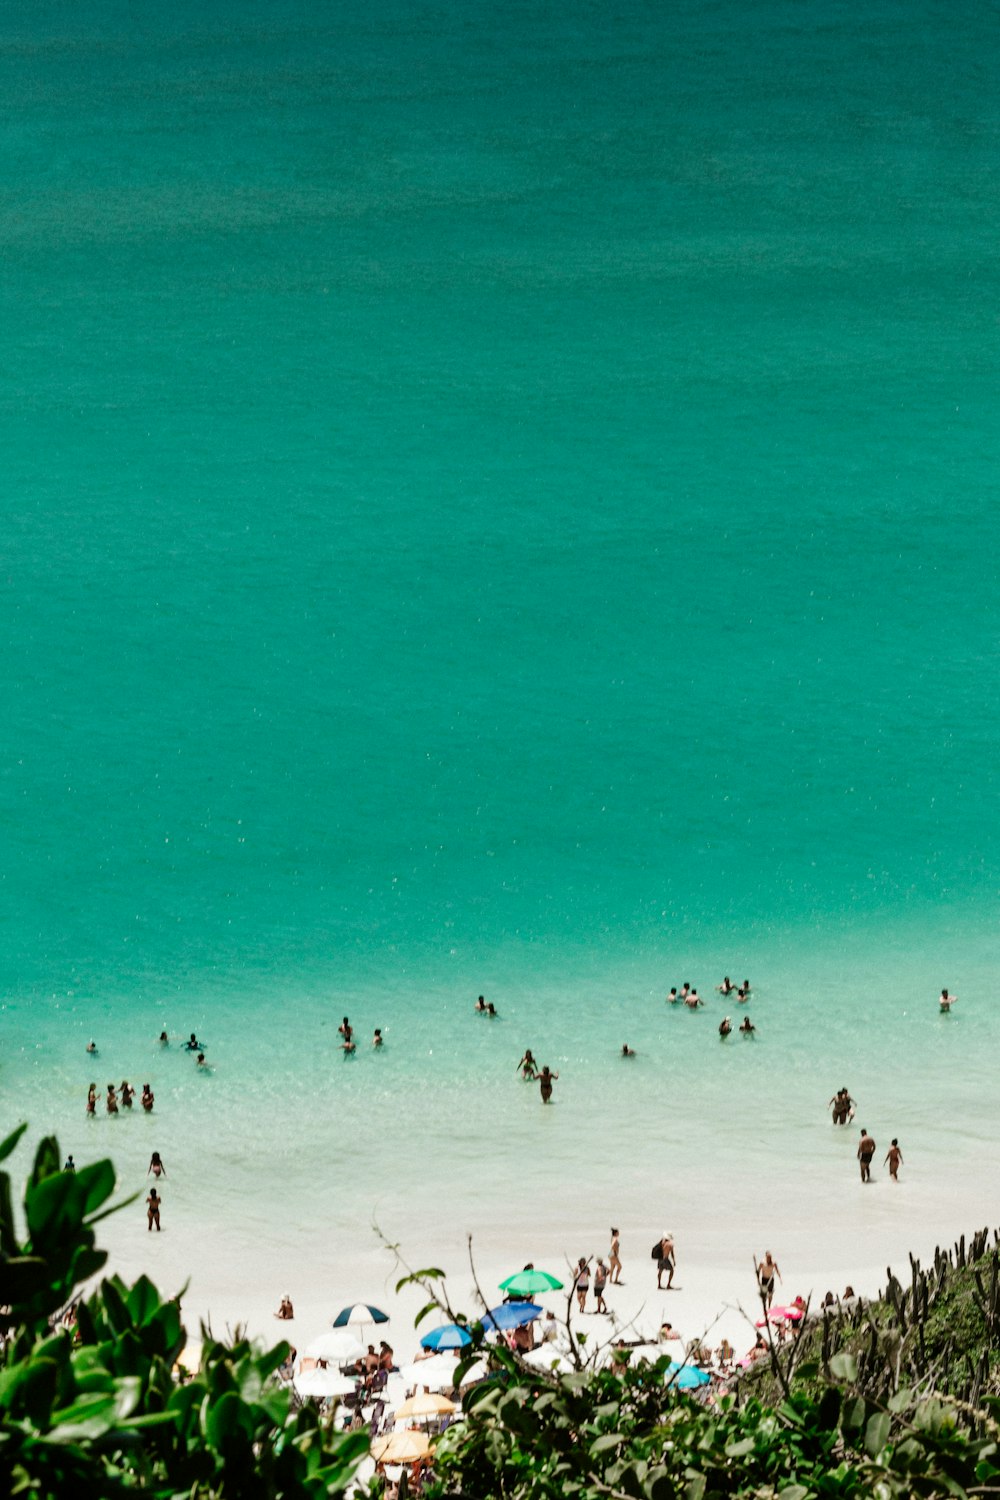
(685,1377)
(511,1315)
(359,1312)
(449,1336)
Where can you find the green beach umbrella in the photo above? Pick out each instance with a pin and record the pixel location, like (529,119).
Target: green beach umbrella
(527,1283)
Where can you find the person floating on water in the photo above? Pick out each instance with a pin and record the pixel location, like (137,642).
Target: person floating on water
(895,1159)
(946,1002)
(527,1065)
(546,1078)
(866,1150)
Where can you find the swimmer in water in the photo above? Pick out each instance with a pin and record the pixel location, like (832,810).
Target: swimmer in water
(377,1038)
(725,1027)
(164,1039)
(192,1044)
(895,1159)
(672,997)
(147,1098)
(692,1000)
(92,1099)
(627,1050)
(91,1046)
(546,1078)
(112,1100)
(527,1065)
(946,1002)
(201,1060)
(685,990)
(481,1005)
(491,1009)
(346,1029)
(153,1203)
(156,1166)
(725,987)
(747,1027)
(347,1046)
(127,1093)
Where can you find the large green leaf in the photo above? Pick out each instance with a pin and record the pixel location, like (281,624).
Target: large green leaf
(10,1143)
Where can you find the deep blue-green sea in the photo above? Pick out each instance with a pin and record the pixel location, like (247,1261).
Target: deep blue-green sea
(502,499)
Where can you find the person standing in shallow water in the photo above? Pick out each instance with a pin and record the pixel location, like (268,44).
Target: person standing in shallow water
(92,1099)
(866,1150)
(527,1065)
(112,1100)
(545,1080)
(895,1159)
(153,1210)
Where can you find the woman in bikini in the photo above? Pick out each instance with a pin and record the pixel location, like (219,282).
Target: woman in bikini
(545,1080)
(614,1258)
(128,1094)
(527,1065)
(92,1099)
(156,1166)
(153,1210)
(147,1098)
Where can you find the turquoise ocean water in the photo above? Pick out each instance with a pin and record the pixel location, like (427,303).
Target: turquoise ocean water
(501,499)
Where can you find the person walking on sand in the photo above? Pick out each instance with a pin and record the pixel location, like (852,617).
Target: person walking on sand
(895,1159)
(600,1281)
(545,1080)
(527,1065)
(866,1150)
(666,1261)
(582,1282)
(153,1210)
(614,1258)
(767,1270)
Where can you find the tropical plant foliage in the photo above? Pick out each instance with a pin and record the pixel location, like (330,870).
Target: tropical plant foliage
(102,1412)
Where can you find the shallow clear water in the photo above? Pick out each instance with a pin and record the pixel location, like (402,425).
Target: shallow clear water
(501,503)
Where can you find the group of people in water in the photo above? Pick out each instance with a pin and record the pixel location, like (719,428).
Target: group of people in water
(843,1107)
(349,1045)
(124,1096)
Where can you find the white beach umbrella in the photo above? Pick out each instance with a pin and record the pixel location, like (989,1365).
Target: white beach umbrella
(323,1383)
(547,1358)
(339,1346)
(439,1373)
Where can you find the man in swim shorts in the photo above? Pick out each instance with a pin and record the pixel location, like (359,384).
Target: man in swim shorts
(767,1270)
(866,1150)
(666,1262)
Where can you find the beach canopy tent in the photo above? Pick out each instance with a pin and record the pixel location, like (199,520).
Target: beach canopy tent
(448,1336)
(358,1314)
(511,1315)
(529,1283)
(323,1383)
(401,1447)
(336,1347)
(440,1373)
(685,1377)
(425,1404)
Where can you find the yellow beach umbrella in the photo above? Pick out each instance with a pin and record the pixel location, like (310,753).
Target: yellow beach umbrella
(401,1447)
(425,1404)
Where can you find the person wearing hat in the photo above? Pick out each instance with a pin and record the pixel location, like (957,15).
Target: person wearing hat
(666,1262)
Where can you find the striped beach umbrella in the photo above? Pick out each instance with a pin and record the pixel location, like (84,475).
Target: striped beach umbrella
(358,1314)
